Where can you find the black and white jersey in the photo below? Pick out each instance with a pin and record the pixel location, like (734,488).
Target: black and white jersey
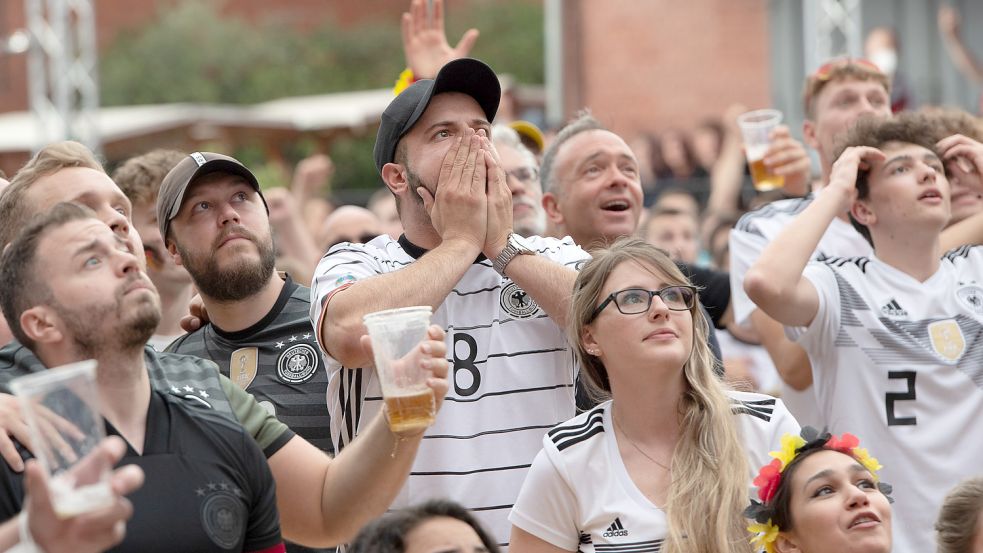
(752,233)
(207,489)
(899,363)
(578,495)
(277,360)
(512,378)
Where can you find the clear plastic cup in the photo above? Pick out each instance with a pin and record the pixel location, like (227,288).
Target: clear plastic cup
(61,406)
(756,127)
(395,333)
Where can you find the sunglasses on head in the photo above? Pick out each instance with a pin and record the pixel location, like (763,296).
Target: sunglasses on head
(826,70)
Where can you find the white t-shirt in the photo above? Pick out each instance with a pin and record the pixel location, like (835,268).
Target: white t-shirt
(512,379)
(899,363)
(579,496)
(753,232)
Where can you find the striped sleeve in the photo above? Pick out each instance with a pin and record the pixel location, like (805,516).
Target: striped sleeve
(342,266)
(547,504)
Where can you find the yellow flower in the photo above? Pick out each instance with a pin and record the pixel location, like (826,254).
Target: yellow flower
(404,81)
(790,443)
(869,463)
(764,535)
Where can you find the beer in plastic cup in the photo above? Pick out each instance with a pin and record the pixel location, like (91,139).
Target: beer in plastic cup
(395,334)
(756,127)
(61,406)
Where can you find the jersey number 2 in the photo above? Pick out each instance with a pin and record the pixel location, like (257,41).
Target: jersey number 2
(891,397)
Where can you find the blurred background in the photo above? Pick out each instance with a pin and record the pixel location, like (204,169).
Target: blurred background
(273,82)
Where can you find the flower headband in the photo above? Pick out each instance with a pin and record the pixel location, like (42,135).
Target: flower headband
(770,477)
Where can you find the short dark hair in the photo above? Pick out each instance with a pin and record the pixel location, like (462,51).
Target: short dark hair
(22,289)
(908,128)
(582,122)
(387,534)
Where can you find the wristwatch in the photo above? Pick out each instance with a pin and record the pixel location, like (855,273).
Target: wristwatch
(516,245)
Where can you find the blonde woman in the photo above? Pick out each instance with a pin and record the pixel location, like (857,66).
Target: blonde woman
(959,528)
(663,465)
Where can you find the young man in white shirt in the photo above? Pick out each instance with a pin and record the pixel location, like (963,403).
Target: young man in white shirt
(892,339)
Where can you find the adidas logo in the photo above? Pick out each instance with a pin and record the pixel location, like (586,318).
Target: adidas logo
(616,529)
(894,309)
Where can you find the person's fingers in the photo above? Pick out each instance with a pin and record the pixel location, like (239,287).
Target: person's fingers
(437,22)
(56,441)
(190,323)
(792,168)
(447,165)
(439,386)
(36,488)
(475,169)
(435,332)
(779,132)
(9,453)
(427,198)
(967,156)
(950,141)
(62,424)
(466,43)
(406,30)
(464,154)
(127,479)
(418,8)
(495,177)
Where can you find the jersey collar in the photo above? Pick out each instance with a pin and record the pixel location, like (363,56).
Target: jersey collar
(416,252)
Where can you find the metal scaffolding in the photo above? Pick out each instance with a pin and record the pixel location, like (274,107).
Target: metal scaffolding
(62,63)
(831,28)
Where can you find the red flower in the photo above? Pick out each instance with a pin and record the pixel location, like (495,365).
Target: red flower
(844,443)
(768,479)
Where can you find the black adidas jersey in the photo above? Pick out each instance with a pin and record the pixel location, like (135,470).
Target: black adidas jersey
(207,488)
(578,495)
(276,360)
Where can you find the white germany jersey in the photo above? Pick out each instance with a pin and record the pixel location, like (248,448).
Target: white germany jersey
(512,379)
(899,363)
(579,496)
(752,233)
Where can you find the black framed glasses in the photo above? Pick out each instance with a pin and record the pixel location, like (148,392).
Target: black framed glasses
(632,301)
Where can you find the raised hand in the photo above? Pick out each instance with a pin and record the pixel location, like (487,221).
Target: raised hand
(965,151)
(787,157)
(499,201)
(425,41)
(843,176)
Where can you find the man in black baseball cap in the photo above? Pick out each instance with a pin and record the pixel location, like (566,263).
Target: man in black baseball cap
(458,255)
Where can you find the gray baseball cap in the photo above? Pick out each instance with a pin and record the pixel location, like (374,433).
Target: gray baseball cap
(465,75)
(183,174)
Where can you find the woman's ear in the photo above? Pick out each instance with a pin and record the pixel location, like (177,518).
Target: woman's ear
(589,343)
(786,544)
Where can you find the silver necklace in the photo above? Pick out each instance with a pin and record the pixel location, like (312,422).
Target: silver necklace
(633,444)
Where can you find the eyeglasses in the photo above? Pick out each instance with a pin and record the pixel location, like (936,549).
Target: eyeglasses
(524,174)
(632,301)
(826,70)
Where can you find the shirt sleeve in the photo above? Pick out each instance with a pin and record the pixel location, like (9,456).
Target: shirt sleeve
(745,248)
(269,433)
(822,331)
(263,525)
(547,505)
(782,423)
(343,265)
(563,251)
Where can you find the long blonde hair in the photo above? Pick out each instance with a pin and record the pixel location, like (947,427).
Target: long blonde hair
(709,487)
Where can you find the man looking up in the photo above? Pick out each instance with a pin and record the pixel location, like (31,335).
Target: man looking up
(314,491)
(73,290)
(894,339)
(139,178)
(502,298)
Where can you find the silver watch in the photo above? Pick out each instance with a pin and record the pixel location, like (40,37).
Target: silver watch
(516,245)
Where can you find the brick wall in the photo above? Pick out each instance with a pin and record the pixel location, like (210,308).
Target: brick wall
(653,64)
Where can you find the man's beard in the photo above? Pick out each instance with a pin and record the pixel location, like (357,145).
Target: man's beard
(238,281)
(134,326)
(413,182)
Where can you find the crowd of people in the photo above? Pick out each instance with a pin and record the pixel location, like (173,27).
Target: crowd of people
(621,360)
